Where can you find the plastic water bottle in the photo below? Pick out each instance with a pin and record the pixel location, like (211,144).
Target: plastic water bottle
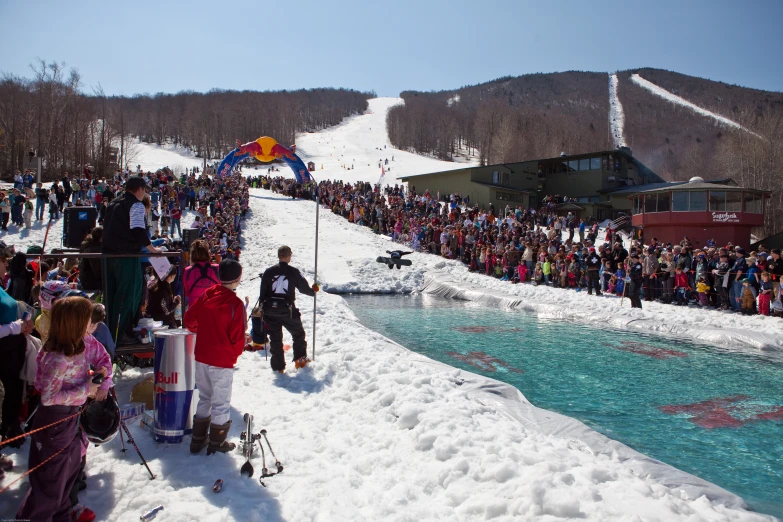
(178,314)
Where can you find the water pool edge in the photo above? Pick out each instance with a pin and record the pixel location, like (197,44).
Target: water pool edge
(446,286)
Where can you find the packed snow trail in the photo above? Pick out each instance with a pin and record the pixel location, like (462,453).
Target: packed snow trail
(359,142)
(666,95)
(616,114)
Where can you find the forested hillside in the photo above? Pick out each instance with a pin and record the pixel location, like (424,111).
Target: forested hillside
(542,115)
(50,113)
(537,115)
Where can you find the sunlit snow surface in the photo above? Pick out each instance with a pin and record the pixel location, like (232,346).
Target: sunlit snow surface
(372,431)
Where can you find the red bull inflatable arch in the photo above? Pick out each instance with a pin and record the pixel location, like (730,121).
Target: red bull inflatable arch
(265,149)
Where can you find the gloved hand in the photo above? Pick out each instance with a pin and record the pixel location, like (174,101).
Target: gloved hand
(316,287)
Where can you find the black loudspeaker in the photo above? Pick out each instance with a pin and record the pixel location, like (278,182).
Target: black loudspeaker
(189,235)
(78,222)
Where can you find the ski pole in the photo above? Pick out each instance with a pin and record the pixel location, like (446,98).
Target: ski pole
(315,271)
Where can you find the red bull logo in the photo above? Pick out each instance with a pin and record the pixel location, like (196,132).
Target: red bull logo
(160,390)
(253,148)
(172,378)
(278,151)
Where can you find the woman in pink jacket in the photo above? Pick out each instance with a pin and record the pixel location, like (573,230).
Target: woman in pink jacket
(201,274)
(63,379)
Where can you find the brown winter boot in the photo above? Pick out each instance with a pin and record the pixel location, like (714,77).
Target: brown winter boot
(217,439)
(198,440)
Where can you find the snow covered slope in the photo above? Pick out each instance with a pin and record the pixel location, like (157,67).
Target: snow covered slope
(359,142)
(616,115)
(152,157)
(666,95)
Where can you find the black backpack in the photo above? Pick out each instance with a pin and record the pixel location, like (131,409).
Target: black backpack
(205,271)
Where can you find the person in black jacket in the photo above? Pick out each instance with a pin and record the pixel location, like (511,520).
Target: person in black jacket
(635,270)
(278,297)
(593,262)
(125,232)
(90,272)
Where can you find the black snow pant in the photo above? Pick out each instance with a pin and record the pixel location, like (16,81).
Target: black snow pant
(593,282)
(274,321)
(12,355)
(633,293)
(50,485)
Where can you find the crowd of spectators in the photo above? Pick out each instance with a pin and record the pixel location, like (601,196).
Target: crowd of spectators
(541,247)
(31,283)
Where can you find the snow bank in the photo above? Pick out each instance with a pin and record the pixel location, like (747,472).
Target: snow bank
(666,95)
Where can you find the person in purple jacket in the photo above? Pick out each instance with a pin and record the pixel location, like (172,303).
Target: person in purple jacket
(64,381)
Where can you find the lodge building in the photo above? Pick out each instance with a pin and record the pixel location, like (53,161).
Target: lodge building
(587,180)
(609,184)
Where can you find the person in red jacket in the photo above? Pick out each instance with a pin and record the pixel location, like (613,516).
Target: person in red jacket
(218,319)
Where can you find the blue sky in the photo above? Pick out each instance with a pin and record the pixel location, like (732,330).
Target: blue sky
(389,46)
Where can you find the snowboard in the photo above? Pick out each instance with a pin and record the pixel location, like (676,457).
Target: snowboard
(390,261)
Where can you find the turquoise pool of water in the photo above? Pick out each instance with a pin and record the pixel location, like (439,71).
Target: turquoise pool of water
(714,413)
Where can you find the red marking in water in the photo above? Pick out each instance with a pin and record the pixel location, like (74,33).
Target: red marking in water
(483,361)
(776,414)
(725,412)
(698,408)
(647,350)
(472,329)
(717,418)
(485,329)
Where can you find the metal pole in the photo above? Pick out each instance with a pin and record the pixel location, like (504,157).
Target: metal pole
(315,272)
(39,169)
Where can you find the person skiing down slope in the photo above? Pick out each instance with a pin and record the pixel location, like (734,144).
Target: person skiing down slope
(278,295)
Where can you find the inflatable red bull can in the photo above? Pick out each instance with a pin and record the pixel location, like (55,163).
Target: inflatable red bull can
(175,382)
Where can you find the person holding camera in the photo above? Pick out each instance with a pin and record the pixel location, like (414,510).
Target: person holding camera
(125,232)
(64,380)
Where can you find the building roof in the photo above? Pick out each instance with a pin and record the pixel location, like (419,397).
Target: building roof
(680,186)
(621,151)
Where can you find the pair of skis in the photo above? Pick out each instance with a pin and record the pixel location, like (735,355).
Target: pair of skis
(248,440)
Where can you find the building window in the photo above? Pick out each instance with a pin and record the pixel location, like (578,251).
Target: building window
(734,201)
(680,201)
(637,205)
(500,178)
(573,165)
(650,203)
(595,163)
(508,196)
(584,164)
(698,201)
(717,200)
(664,202)
(754,203)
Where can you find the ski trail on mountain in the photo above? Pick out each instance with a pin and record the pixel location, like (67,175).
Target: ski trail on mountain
(616,114)
(666,95)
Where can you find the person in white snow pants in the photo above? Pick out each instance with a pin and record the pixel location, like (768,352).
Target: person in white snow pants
(214,392)
(218,318)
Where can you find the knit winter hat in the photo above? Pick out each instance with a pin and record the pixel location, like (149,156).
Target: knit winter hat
(229,271)
(50,292)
